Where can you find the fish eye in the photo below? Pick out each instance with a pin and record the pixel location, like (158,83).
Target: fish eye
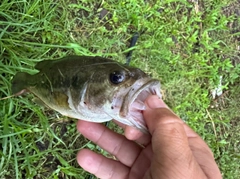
(117,77)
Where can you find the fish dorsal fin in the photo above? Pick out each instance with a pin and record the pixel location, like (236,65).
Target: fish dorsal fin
(20,83)
(43,64)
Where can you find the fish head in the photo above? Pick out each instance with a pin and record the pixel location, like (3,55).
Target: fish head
(120,91)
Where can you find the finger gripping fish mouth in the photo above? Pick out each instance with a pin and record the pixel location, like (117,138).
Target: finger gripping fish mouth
(133,103)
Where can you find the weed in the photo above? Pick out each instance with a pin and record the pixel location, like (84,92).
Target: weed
(186,45)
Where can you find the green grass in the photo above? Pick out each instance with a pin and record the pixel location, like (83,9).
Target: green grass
(185,50)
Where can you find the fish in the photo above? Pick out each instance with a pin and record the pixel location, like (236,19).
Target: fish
(90,88)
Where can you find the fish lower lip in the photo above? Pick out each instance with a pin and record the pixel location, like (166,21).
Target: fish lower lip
(133,104)
(148,87)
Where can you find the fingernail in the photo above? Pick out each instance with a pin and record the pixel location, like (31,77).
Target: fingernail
(155,101)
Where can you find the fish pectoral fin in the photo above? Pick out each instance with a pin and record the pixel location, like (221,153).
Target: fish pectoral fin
(39,102)
(61,100)
(56,100)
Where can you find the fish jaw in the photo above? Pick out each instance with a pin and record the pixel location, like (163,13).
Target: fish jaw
(128,107)
(136,106)
(133,105)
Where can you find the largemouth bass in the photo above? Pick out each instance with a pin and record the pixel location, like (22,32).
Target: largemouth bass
(93,89)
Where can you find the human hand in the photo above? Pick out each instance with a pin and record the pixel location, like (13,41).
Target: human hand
(173,150)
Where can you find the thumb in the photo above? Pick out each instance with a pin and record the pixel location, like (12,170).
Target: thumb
(165,127)
(172,156)
(158,112)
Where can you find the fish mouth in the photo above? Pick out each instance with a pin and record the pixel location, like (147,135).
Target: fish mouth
(133,103)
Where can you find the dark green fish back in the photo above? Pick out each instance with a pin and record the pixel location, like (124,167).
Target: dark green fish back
(73,61)
(43,64)
(67,67)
